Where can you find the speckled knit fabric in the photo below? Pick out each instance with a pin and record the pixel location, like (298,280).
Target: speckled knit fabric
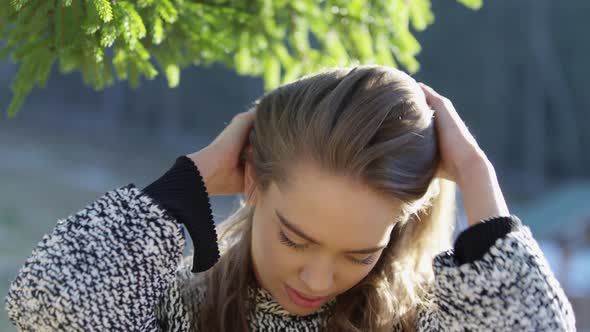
(115,266)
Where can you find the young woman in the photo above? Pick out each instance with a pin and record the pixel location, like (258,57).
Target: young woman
(349,182)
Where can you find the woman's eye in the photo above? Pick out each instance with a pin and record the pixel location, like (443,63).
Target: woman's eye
(365,261)
(286,241)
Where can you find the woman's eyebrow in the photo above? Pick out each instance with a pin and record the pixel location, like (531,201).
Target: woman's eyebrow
(294,228)
(301,234)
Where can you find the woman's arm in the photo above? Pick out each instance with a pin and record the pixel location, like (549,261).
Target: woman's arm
(482,196)
(509,288)
(111,266)
(496,278)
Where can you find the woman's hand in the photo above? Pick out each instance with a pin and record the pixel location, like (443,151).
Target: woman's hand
(219,162)
(458,148)
(464,162)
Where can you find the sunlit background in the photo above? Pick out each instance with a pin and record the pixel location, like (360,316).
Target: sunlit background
(517,71)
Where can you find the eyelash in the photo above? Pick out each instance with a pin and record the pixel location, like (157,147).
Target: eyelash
(286,241)
(299,247)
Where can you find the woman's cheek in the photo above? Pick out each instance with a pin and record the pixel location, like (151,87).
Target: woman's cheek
(281,253)
(274,252)
(351,274)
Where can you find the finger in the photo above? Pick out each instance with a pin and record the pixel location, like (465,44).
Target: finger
(428,94)
(242,121)
(248,121)
(446,115)
(237,130)
(244,117)
(243,125)
(428,90)
(432,97)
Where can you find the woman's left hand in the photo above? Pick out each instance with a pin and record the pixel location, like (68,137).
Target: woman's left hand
(464,162)
(458,148)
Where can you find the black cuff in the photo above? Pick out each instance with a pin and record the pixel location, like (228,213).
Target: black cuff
(476,240)
(182,192)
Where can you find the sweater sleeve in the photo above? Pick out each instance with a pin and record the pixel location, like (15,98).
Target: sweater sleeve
(496,279)
(111,266)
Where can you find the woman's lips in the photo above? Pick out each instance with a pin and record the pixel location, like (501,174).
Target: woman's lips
(304,301)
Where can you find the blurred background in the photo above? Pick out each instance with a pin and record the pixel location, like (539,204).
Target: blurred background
(518,75)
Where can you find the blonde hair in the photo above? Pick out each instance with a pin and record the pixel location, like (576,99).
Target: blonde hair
(370,123)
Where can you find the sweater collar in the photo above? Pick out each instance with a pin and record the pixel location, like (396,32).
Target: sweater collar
(266,303)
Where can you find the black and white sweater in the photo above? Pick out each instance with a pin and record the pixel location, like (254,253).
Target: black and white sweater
(116,266)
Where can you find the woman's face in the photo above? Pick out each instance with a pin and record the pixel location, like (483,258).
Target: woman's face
(317,237)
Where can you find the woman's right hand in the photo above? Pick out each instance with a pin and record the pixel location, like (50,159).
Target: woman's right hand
(219,162)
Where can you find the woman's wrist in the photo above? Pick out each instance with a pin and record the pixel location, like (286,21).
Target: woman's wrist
(206,165)
(482,196)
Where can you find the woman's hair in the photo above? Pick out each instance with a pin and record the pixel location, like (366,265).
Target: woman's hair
(370,123)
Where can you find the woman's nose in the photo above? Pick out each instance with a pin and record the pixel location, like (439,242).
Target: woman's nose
(318,276)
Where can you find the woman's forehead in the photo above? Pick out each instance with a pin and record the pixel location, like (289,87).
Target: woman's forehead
(322,203)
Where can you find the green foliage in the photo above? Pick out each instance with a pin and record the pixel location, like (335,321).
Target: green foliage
(473,4)
(279,40)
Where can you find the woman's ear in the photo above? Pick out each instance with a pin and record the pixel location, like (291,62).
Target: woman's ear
(250,190)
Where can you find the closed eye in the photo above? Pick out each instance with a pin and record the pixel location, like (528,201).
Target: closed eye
(366,261)
(300,247)
(290,243)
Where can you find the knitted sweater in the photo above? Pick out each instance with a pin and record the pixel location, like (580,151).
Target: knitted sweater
(116,266)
